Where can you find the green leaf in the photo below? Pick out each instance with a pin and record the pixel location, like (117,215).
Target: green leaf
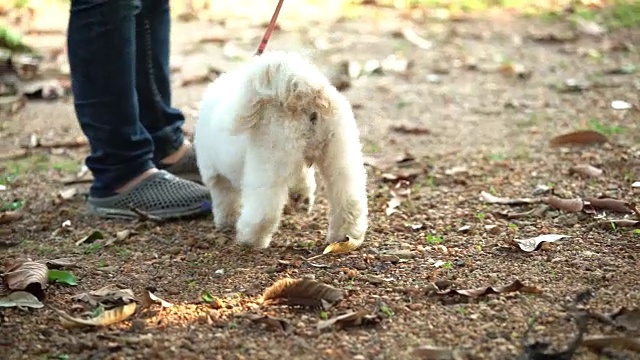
(62,277)
(9,206)
(207,297)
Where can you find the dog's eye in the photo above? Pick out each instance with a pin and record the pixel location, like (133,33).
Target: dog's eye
(313,117)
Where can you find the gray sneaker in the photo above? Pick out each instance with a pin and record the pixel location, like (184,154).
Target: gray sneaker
(162,194)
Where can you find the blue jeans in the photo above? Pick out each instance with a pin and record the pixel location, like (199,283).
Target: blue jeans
(119,59)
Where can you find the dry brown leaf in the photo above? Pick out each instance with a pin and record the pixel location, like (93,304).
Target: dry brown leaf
(411,130)
(219,38)
(552,35)
(25,275)
(304,291)
(586,170)
(517,285)
(627,318)
(108,296)
(582,137)
(515,69)
(407,175)
(21,299)
(492,199)
(120,236)
(123,235)
(634,208)
(536,212)
(619,342)
(269,321)
(108,317)
(428,352)
(10,216)
(343,246)
(64,195)
(535,243)
(149,298)
(392,205)
(350,319)
(609,204)
(568,205)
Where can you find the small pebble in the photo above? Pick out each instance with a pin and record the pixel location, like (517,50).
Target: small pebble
(390,258)
(360,266)
(402,254)
(416,306)
(375,280)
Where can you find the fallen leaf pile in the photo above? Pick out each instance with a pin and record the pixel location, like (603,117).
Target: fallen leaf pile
(24,281)
(515,286)
(628,320)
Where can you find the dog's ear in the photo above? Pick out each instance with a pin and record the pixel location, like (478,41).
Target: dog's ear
(250,117)
(266,76)
(260,93)
(322,104)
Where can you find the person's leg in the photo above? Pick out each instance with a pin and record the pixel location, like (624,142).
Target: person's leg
(101,47)
(162,121)
(102,57)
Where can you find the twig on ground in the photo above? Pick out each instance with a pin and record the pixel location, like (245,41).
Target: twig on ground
(535,351)
(144,216)
(535,212)
(78,142)
(613,224)
(15,155)
(76,181)
(411,36)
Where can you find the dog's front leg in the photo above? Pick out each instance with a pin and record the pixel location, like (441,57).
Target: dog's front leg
(345,178)
(264,194)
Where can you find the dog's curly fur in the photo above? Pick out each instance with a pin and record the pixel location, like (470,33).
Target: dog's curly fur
(264,128)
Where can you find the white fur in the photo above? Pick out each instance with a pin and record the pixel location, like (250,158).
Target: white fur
(255,142)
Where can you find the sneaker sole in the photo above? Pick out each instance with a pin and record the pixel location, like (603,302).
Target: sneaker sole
(112,213)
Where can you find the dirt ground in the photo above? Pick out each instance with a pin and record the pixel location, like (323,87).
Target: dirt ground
(473,112)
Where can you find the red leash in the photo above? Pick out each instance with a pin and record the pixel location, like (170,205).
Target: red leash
(267,34)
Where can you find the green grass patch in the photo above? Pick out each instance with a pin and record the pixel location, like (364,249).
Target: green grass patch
(617,14)
(605,129)
(37,163)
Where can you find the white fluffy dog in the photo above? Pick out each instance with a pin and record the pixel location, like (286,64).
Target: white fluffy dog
(262,130)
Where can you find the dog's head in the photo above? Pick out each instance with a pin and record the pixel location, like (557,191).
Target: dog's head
(287,91)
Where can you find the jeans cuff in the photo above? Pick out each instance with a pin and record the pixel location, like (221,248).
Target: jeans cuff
(166,142)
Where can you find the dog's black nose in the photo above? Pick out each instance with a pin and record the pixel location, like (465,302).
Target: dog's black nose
(313,117)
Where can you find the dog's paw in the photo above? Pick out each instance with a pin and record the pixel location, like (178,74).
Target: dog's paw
(250,242)
(224,224)
(342,228)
